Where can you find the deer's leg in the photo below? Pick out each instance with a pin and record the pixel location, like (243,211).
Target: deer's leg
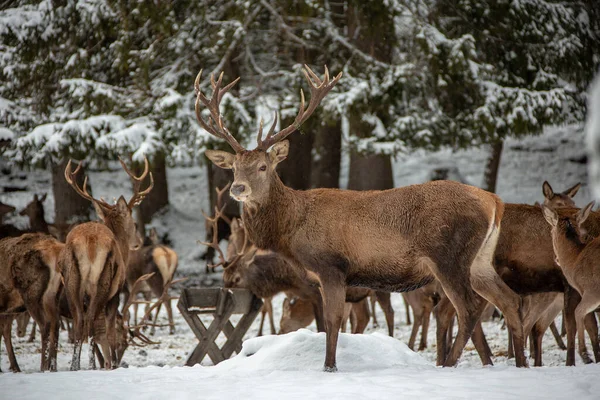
(31,338)
(112,308)
(537,333)
(318,308)
(557,337)
(572,299)
(92,354)
(425,325)
(384,299)
(362,315)
(153,329)
(333,291)
(481,345)
(588,304)
(169,309)
(45,334)
(270,314)
(417,321)
(98,353)
(489,285)
(591,326)
(263,313)
(444,315)
(406,309)
(346,317)
(372,301)
(511,348)
(6,325)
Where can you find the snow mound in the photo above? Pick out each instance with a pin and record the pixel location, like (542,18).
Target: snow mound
(304,350)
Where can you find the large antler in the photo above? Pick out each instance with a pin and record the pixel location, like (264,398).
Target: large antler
(137,183)
(214,222)
(318,90)
(71,177)
(215,126)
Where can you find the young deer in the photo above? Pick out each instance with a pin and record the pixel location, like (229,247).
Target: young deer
(392,240)
(94,262)
(577,256)
(159,259)
(30,280)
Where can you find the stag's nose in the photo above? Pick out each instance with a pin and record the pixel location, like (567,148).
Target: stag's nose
(237,190)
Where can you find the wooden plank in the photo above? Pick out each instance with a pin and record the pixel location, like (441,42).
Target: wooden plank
(243,300)
(235,341)
(202,298)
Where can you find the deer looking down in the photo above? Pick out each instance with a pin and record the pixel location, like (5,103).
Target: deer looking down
(391,240)
(577,255)
(94,262)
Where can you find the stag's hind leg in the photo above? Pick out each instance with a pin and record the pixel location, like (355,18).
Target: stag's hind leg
(5,332)
(588,303)
(333,290)
(385,301)
(111,332)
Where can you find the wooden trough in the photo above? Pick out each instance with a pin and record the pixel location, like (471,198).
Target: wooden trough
(222,304)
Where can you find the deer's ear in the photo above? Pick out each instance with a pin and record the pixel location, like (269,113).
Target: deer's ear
(573,191)
(550,215)
(43,198)
(221,159)
(584,213)
(547,190)
(279,151)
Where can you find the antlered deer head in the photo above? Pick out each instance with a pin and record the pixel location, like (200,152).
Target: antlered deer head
(253,170)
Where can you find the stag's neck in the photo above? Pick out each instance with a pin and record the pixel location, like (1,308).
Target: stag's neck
(271,223)
(121,238)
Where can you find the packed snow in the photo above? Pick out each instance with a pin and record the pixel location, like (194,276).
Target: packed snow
(370,366)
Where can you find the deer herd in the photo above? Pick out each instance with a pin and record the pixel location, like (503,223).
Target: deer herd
(452,249)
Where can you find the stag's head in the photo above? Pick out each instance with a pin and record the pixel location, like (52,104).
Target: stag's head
(559,200)
(254,170)
(118,217)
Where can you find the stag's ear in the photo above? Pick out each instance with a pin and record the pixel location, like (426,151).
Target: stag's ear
(122,206)
(221,159)
(547,190)
(572,191)
(584,213)
(279,152)
(550,215)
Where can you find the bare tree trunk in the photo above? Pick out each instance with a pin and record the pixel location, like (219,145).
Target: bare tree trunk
(368,171)
(492,166)
(158,196)
(295,172)
(68,205)
(326,163)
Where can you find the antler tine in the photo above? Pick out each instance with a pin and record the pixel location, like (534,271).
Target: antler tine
(70,177)
(214,222)
(132,294)
(138,196)
(318,90)
(220,204)
(215,126)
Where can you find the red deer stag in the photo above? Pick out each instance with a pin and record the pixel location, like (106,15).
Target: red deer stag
(577,254)
(29,278)
(94,262)
(392,240)
(159,259)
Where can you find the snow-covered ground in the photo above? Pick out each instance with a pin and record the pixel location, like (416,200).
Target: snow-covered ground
(372,366)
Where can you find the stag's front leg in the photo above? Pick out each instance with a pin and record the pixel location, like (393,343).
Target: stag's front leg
(333,291)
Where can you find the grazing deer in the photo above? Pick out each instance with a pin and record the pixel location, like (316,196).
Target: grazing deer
(94,262)
(30,280)
(577,255)
(392,240)
(159,259)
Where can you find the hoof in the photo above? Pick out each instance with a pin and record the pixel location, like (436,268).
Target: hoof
(330,369)
(586,358)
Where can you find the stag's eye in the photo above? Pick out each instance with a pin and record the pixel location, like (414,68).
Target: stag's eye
(263,168)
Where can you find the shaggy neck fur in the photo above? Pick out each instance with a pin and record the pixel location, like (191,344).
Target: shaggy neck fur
(114,223)
(271,223)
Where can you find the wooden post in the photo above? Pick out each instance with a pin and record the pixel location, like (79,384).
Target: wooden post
(222,304)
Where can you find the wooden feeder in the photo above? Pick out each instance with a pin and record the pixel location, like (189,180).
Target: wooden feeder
(222,304)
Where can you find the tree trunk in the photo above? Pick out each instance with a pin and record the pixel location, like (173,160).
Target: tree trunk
(295,170)
(368,171)
(68,205)
(492,166)
(326,165)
